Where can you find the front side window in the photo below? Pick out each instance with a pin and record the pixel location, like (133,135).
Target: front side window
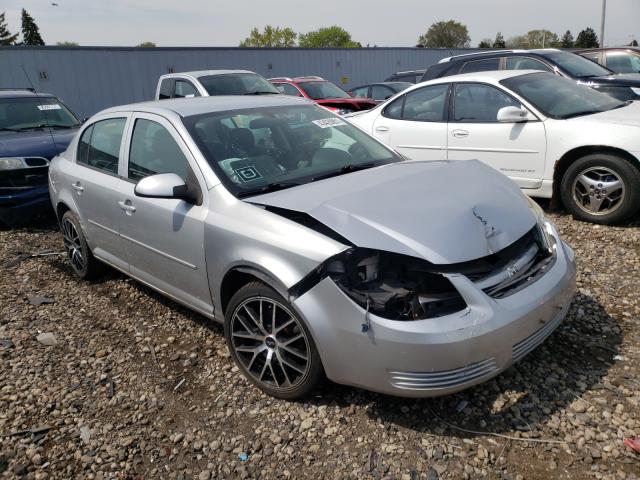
(236,84)
(362,92)
(476,102)
(426,104)
(322,90)
(289,89)
(577,66)
(485,65)
(31,113)
(258,150)
(623,62)
(153,150)
(559,97)
(185,89)
(526,63)
(380,92)
(99,145)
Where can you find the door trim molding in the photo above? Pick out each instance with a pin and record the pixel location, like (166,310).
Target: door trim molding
(160,252)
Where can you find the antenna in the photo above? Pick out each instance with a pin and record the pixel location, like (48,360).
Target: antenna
(44,110)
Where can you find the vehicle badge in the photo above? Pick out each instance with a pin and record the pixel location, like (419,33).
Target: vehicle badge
(512,270)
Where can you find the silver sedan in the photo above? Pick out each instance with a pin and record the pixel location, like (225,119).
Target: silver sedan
(319,248)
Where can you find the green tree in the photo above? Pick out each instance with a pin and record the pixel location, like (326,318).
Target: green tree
(449,34)
(542,39)
(6,38)
(327,37)
(270,37)
(147,45)
(485,43)
(30,31)
(499,41)
(634,43)
(587,38)
(519,41)
(567,40)
(67,44)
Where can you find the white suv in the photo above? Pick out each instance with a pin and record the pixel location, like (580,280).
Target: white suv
(207,83)
(554,138)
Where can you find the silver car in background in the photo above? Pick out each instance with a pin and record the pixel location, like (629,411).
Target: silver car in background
(318,247)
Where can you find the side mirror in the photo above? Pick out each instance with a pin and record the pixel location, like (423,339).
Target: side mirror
(513,115)
(163,185)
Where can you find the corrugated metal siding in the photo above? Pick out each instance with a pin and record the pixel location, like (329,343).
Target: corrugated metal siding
(89,79)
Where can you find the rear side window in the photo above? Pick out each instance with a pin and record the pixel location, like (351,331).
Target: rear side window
(362,92)
(185,89)
(380,92)
(526,63)
(288,89)
(166,88)
(426,104)
(99,146)
(485,65)
(153,150)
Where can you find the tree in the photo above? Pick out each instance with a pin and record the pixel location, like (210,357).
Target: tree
(327,37)
(567,40)
(147,45)
(30,31)
(485,43)
(67,44)
(587,38)
(634,43)
(542,39)
(499,41)
(6,38)
(519,41)
(449,34)
(270,37)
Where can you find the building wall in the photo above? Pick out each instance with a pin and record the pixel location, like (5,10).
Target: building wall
(89,79)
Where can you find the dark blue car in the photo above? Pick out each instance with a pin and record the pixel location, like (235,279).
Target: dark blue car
(34,128)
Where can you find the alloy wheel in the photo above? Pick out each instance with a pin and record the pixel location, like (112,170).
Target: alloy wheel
(73,245)
(270,343)
(598,190)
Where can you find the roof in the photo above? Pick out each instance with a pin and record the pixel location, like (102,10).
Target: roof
(500,52)
(206,73)
(21,93)
(606,49)
(186,107)
(487,77)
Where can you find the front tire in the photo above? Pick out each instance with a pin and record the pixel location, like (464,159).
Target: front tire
(601,188)
(270,344)
(82,261)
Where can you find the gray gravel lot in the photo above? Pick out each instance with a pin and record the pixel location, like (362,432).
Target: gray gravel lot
(128,384)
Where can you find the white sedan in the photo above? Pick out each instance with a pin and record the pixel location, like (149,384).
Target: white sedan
(554,138)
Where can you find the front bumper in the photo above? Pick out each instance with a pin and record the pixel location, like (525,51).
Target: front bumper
(19,205)
(442,355)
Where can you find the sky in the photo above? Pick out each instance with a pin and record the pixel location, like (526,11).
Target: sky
(388,23)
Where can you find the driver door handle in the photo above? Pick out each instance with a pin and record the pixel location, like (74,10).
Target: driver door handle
(127,207)
(77,187)
(382,128)
(460,133)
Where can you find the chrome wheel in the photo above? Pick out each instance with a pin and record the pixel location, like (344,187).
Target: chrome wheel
(598,190)
(270,343)
(73,245)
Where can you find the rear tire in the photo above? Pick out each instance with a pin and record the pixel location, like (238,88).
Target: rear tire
(82,261)
(601,188)
(270,343)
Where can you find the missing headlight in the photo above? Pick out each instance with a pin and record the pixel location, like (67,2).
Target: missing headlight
(389,285)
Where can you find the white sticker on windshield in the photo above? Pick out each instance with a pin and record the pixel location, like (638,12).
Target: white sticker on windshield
(329,122)
(51,106)
(248,173)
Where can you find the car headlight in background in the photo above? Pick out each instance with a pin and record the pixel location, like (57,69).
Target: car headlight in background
(17,163)
(636,90)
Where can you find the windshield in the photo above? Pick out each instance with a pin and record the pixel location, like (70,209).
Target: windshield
(236,84)
(258,150)
(559,97)
(323,90)
(31,112)
(577,66)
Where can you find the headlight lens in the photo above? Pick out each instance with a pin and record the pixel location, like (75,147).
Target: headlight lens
(10,163)
(636,90)
(544,226)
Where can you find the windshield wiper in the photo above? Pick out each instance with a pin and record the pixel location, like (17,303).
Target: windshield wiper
(271,187)
(343,170)
(261,92)
(9,129)
(580,114)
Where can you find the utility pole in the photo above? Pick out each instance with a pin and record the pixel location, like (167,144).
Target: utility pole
(604,10)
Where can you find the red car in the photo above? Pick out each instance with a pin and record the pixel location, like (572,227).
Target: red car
(323,92)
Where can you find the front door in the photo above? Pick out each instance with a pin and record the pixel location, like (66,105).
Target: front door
(415,123)
(164,238)
(517,150)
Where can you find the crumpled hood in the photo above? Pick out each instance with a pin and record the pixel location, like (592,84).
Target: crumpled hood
(36,143)
(445,212)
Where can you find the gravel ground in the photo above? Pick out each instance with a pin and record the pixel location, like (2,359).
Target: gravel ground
(137,387)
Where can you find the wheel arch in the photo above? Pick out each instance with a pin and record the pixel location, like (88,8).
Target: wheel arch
(563,163)
(61,209)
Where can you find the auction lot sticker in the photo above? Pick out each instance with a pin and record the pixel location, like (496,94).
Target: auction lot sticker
(52,106)
(329,122)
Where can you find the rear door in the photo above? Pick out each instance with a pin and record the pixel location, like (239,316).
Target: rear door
(516,149)
(95,183)
(415,124)
(164,238)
